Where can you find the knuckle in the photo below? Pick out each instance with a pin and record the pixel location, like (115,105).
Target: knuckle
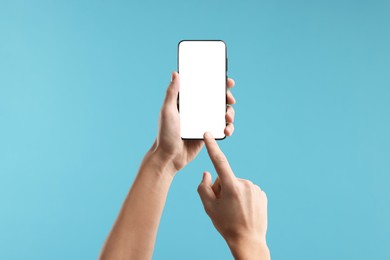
(247,183)
(208,210)
(165,112)
(200,188)
(170,90)
(234,191)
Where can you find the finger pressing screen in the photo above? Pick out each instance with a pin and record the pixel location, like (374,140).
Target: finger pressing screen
(219,160)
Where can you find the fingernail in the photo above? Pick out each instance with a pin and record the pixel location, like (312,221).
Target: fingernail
(208,135)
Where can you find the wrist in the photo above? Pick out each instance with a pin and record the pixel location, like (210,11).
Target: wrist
(162,165)
(248,249)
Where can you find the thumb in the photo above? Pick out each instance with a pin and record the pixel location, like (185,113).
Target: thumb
(205,190)
(172,91)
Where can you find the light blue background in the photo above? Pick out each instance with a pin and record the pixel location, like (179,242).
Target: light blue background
(81,85)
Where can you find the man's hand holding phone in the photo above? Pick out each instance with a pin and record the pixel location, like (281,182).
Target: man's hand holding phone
(169,145)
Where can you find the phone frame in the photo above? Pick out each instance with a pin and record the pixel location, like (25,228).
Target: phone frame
(226,77)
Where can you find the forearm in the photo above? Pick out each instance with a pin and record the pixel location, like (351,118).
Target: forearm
(134,232)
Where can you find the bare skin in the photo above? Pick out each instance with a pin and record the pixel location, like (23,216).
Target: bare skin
(133,234)
(237,207)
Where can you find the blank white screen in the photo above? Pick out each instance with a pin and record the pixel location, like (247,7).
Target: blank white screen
(202,98)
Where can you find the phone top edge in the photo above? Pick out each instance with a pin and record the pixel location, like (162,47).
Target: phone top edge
(211,40)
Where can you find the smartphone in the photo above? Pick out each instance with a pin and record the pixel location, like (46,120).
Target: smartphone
(202,66)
